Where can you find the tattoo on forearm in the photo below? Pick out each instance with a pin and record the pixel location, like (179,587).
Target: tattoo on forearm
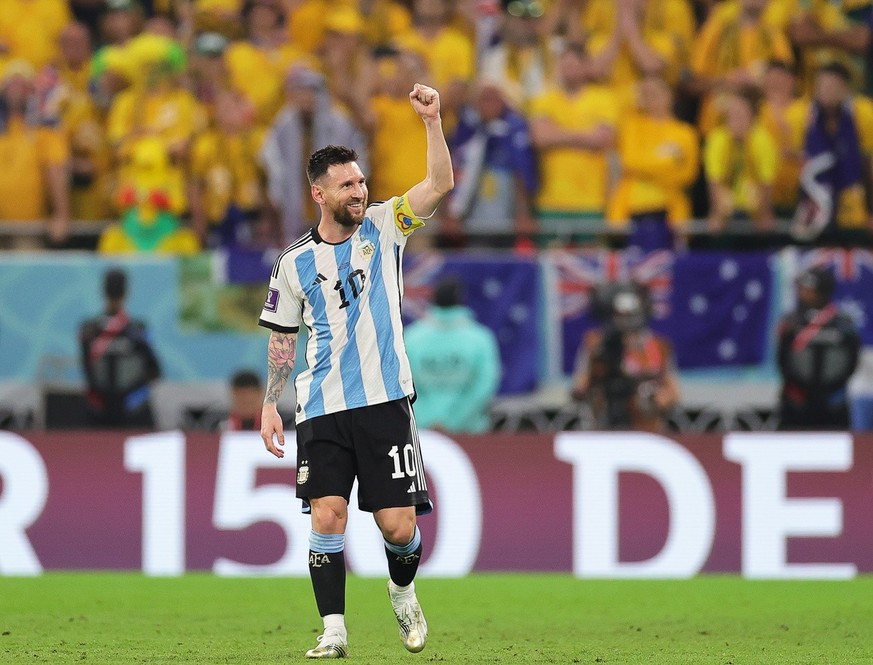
(280,361)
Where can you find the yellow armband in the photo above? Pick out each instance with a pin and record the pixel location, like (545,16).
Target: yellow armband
(406,220)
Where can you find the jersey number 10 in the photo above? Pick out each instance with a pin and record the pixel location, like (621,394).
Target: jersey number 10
(355,282)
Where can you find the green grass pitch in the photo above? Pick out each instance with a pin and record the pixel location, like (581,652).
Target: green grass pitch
(115,618)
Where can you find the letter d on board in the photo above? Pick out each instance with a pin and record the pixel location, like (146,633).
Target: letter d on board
(597,460)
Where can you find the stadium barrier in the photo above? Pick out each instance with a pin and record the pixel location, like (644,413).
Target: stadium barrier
(603,505)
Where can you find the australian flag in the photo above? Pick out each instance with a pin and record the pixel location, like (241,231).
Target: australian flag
(713,306)
(853,270)
(579,273)
(721,307)
(503,293)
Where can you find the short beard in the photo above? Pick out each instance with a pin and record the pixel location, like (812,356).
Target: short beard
(344,218)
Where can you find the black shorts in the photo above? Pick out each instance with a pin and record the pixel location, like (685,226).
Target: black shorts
(377,444)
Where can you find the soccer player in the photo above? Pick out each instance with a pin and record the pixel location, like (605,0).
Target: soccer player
(342,280)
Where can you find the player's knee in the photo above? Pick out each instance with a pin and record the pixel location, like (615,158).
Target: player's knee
(329,516)
(399,532)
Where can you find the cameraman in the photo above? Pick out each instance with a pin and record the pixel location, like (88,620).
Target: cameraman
(626,371)
(818,352)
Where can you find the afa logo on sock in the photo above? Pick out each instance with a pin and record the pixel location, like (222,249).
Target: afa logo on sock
(407,559)
(318,559)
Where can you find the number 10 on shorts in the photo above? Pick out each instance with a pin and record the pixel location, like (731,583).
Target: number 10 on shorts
(408,461)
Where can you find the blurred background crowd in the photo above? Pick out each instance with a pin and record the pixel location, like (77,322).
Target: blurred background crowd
(177,125)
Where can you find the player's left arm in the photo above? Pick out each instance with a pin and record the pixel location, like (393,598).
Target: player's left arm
(425,196)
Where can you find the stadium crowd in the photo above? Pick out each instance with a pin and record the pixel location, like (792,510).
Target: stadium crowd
(187,122)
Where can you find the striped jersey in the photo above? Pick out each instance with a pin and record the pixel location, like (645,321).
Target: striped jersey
(348,296)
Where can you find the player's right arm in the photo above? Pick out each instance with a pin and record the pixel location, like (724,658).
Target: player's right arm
(281,351)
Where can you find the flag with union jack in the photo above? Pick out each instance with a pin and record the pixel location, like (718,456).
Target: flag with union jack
(853,270)
(713,306)
(578,274)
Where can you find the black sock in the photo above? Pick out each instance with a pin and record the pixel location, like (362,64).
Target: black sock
(328,573)
(402,567)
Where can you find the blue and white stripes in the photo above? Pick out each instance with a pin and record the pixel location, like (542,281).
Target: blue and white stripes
(326,543)
(348,297)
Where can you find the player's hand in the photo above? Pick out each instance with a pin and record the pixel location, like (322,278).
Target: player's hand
(425,101)
(271,426)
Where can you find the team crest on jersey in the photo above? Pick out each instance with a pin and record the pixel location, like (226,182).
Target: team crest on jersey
(302,475)
(271,304)
(366,249)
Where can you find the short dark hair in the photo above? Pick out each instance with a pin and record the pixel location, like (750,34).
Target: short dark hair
(245,378)
(449,292)
(836,68)
(115,284)
(324,158)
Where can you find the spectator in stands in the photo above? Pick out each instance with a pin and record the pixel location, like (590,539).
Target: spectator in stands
(818,352)
(666,27)
(309,119)
(346,59)
(573,127)
(246,402)
(33,181)
(118,361)
(740,158)
(450,54)
(455,364)
(731,50)
(393,169)
(835,31)
(780,93)
(208,73)
(659,158)
(255,63)
(156,105)
(150,200)
(225,181)
(625,371)
(835,133)
(29,30)
(519,55)
(495,173)
(112,71)
(626,47)
(90,154)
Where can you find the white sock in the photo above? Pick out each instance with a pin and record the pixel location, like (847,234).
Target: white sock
(335,621)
